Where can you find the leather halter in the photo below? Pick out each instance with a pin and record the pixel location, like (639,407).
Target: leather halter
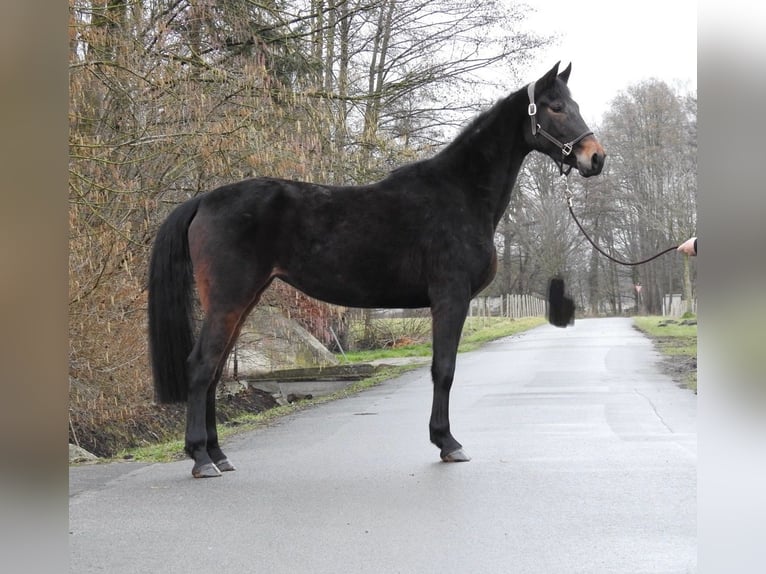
(566,148)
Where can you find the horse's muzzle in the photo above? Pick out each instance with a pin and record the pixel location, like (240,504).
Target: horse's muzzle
(590,157)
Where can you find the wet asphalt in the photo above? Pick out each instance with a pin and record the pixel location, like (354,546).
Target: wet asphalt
(584,459)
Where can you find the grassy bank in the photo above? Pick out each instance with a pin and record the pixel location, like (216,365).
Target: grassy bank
(476,332)
(678,344)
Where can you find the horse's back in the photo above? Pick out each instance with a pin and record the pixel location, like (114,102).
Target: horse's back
(349,245)
(380,245)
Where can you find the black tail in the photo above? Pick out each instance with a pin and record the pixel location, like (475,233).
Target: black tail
(561,309)
(171,283)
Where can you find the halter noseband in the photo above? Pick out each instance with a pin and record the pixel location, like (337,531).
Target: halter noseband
(566,148)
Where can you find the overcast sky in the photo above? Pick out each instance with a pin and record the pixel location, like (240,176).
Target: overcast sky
(614,44)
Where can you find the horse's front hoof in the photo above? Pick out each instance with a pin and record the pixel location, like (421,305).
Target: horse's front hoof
(224,465)
(456,456)
(208,470)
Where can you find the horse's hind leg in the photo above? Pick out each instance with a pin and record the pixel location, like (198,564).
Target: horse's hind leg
(231,271)
(220,330)
(448,313)
(205,360)
(213,448)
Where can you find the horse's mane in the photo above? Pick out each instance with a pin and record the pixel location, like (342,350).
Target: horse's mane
(480,122)
(469,134)
(472,136)
(477,127)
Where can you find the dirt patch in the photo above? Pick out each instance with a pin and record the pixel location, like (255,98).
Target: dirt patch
(676,340)
(681,367)
(150,424)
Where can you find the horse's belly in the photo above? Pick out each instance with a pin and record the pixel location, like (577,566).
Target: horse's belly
(340,287)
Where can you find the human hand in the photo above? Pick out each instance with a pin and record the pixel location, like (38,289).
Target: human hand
(687,247)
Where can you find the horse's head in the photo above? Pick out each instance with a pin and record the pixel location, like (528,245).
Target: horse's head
(556,127)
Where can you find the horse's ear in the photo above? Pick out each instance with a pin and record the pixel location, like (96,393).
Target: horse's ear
(564,76)
(548,79)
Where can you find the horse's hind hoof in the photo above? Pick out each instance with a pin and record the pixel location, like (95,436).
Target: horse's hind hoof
(224,465)
(456,456)
(208,470)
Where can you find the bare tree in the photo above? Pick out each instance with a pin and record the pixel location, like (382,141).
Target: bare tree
(167,99)
(653,154)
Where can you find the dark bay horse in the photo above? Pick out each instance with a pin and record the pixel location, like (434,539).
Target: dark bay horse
(421,237)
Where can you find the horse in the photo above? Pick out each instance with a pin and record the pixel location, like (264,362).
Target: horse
(420,237)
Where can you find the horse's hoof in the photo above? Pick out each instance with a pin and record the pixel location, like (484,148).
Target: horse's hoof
(208,470)
(224,465)
(456,456)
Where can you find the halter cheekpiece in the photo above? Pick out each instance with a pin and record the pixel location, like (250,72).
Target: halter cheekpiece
(566,148)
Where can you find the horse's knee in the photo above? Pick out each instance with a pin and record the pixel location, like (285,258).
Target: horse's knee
(443,373)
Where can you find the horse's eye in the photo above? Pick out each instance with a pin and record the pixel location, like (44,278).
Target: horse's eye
(556,107)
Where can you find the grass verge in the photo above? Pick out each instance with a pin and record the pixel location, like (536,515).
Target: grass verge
(678,344)
(476,332)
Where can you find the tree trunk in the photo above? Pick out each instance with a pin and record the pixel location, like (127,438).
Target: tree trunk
(376,72)
(593,282)
(329,56)
(317,37)
(688,286)
(341,117)
(507,260)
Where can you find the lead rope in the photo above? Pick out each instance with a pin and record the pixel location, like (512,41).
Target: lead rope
(568,194)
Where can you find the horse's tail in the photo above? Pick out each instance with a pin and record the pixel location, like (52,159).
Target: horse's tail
(171,282)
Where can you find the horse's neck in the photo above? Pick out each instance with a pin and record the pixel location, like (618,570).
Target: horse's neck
(505,187)
(487,157)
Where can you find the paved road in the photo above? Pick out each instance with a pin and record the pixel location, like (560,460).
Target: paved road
(584,460)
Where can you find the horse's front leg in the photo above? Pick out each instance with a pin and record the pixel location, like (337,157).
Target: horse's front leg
(448,315)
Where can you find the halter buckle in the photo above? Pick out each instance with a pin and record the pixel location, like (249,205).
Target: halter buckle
(532,109)
(566,149)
